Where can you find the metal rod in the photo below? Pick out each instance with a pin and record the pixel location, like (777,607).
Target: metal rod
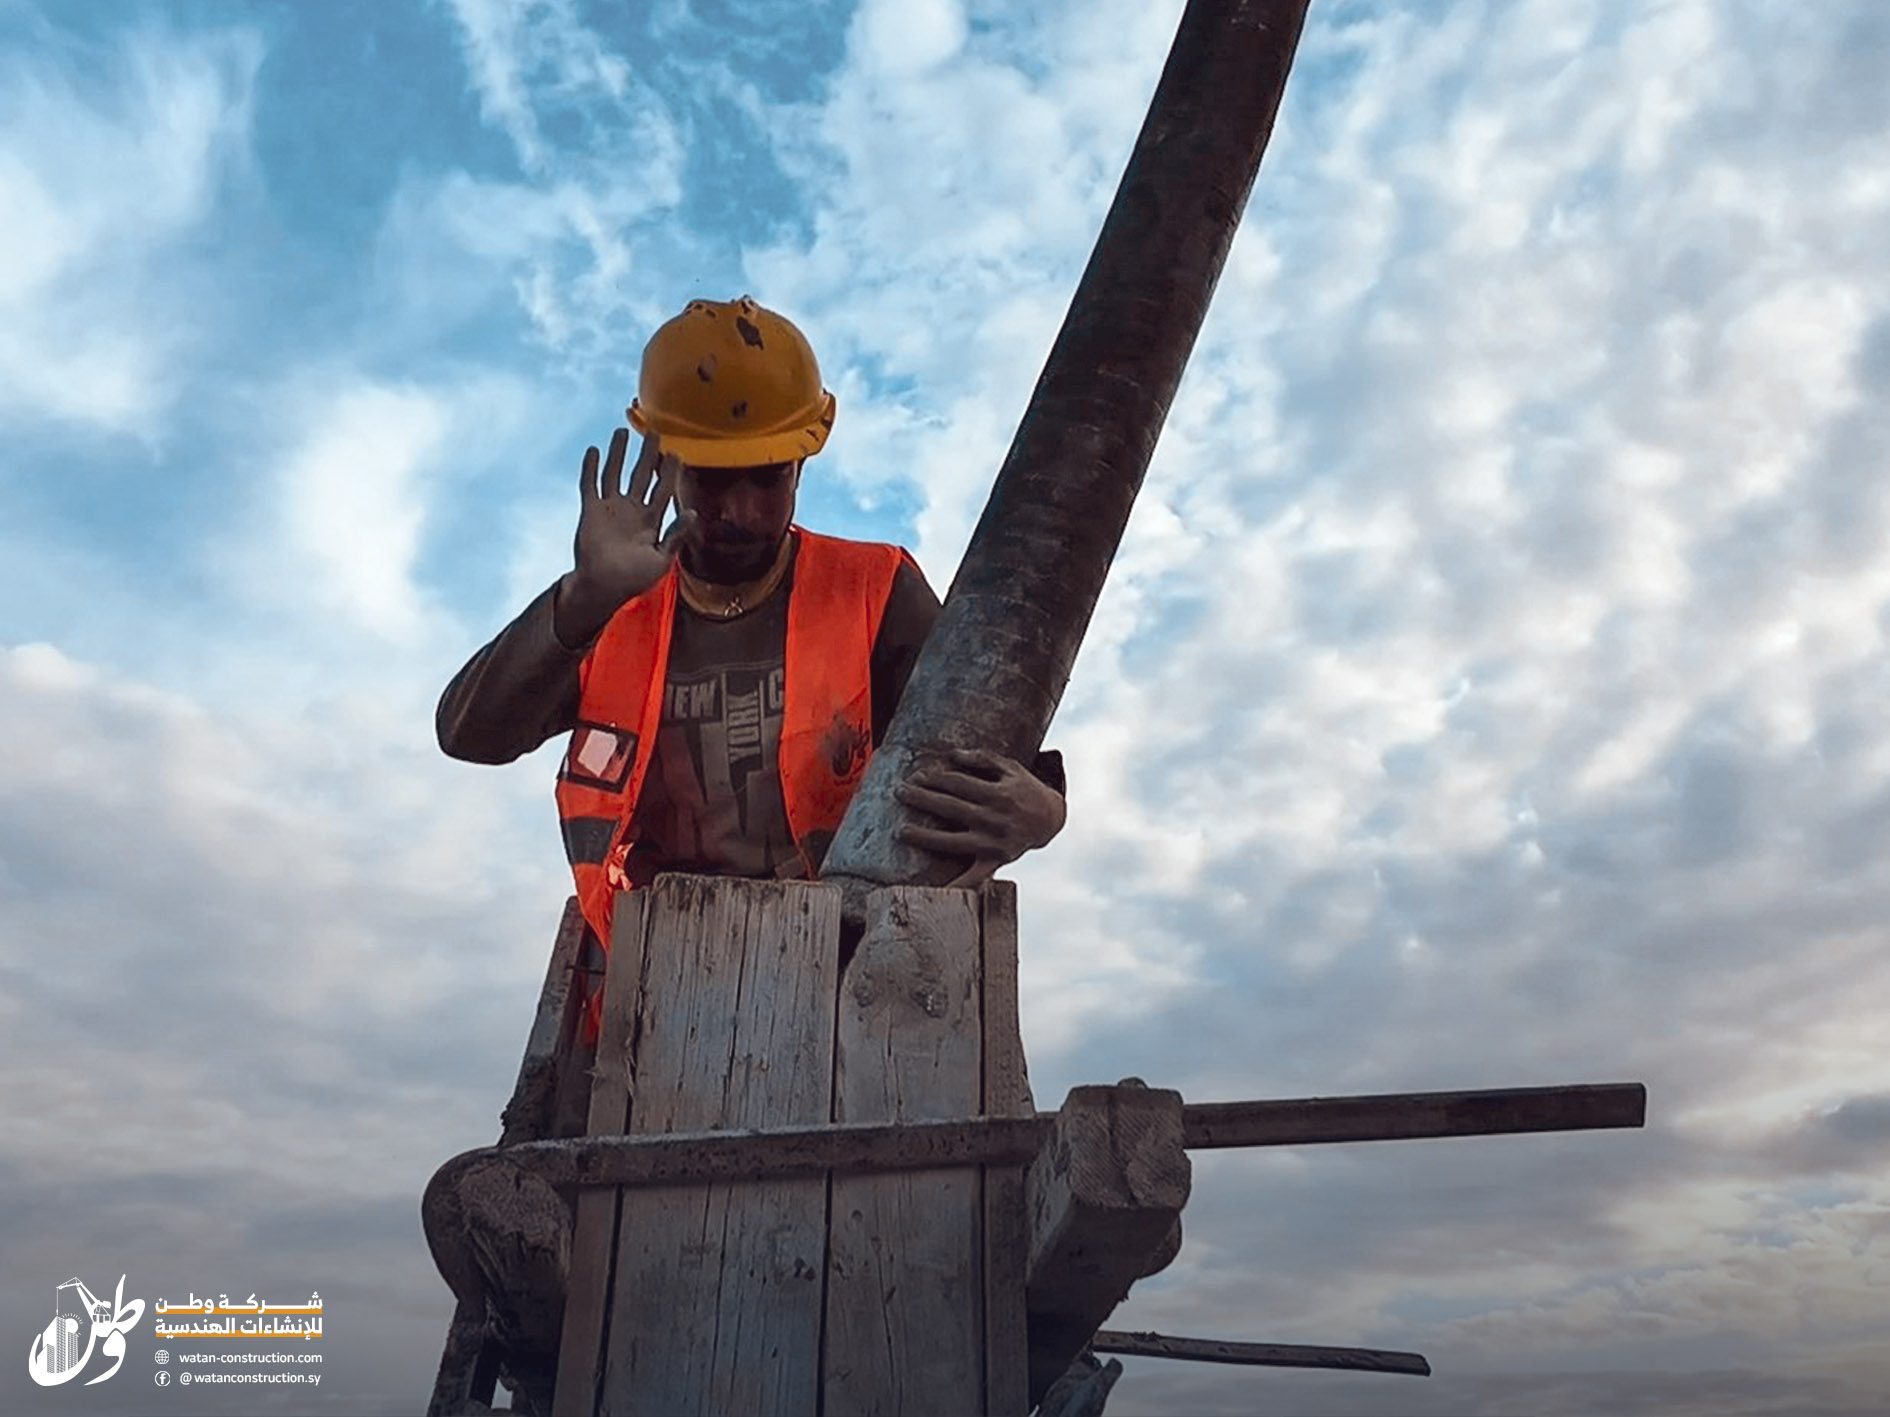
(693,1157)
(1408,1116)
(1260,1355)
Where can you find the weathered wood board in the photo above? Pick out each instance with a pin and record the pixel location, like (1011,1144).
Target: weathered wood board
(905,1288)
(854,1293)
(872,1143)
(1103,1198)
(1006,1226)
(716,1296)
(593,1235)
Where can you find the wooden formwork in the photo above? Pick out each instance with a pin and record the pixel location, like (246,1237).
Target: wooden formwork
(726,1007)
(813,1180)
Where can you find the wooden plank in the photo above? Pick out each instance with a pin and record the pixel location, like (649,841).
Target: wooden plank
(717,1292)
(527,1116)
(1006,1093)
(1404,1116)
(1006,1080)
(593,1245)
(1103,1198)
(1260,1355)
(905,1321)
(681,1158)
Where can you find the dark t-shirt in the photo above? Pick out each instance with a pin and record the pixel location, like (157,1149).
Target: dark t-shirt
(712,800)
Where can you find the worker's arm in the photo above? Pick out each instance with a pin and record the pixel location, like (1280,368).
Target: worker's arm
(522,688)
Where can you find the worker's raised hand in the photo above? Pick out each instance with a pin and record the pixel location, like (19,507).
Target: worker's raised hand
(994,810)
(619,551)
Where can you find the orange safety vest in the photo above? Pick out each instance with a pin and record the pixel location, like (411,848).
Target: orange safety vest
(835,604)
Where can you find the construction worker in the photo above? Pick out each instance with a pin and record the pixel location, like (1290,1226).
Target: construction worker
(723,684)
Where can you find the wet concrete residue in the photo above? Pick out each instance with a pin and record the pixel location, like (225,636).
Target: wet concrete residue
(846,746)
(750,335)
(740,410)
(705,371)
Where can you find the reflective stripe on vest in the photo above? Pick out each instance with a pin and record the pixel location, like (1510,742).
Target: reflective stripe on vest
(835,604)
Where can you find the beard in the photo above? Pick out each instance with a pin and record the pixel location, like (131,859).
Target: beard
(731,560)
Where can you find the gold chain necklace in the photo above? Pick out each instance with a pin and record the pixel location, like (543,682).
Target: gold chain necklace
(727,602)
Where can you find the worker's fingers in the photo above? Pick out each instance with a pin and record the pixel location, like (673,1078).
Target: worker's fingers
(648,453)
(613,463)
(968,815)
(977,873)
(980,760)
(959,784)
(587,476)
(948,843)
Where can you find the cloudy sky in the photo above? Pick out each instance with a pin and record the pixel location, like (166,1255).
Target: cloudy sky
(1489,690)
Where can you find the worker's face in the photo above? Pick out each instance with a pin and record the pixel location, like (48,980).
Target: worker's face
(745,511)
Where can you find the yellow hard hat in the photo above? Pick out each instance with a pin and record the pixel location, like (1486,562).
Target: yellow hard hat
(728,383)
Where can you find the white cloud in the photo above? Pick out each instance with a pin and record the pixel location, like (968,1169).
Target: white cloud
(1489,688)
(567,237)
(353,502)
(1483,681)
(909,39)
(265,970)
(538,52)
(336,533)
(316,886)
(101,175)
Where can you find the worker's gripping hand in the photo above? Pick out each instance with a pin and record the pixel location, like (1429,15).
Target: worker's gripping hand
(994,810)
(618,549)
